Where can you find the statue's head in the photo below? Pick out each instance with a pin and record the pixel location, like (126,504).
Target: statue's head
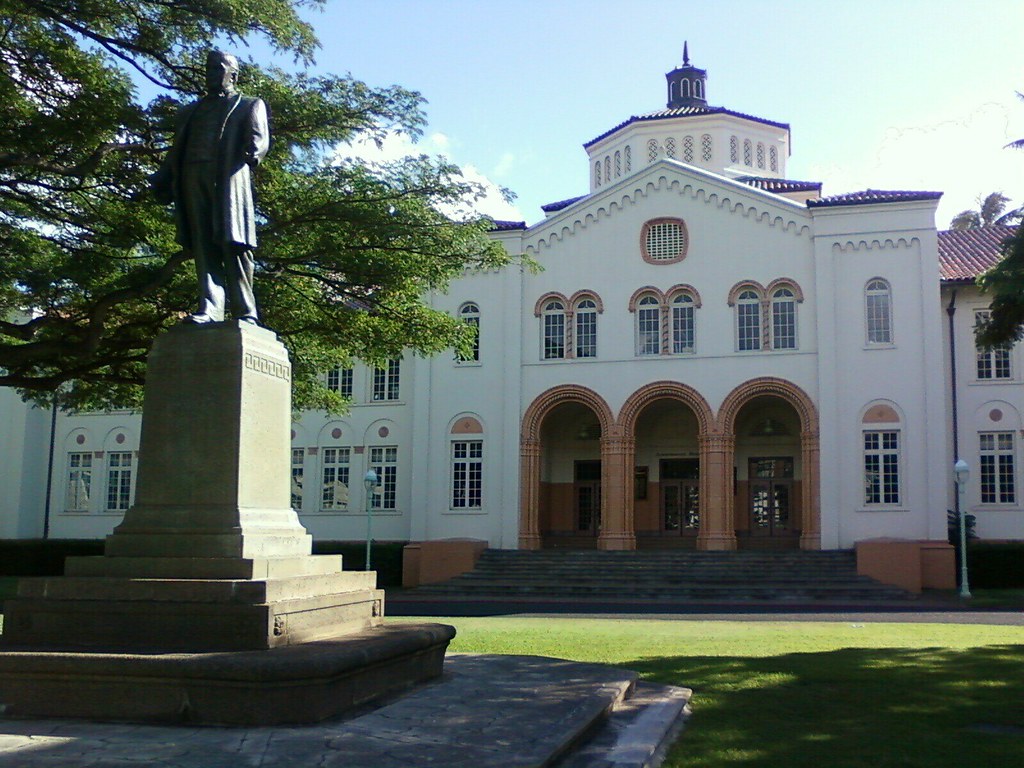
(221,72)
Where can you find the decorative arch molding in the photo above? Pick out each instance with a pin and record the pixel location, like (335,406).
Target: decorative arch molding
(658,390)
(647,290)
(876,244)
(734,292)
(547,401)
(675,290)
(769,385)
(586,293)
(785,282)
(345,434)
(120,438)
(80,439)
(881,412)
(466,424)
(997,415)
(626,193)
(538,308)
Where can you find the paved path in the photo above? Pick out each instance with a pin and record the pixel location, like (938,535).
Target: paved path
(486,712)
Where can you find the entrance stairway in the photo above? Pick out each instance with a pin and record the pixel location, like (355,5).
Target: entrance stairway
(668,576)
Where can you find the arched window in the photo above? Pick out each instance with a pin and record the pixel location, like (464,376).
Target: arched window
(773,158)
(597,174)
(734,149)
(783,318)
(608,169)
(760,155)
(648,326)
(628,151)
(878,311)
(670,147)
(467,464)
(705,147)
(683,330)
(748,152)
(672,91)
(585,319)
(469,313)
(748,320)
(618,163)
(698,89)
(881,435)
(685,88)
(553,323)
(688,149)
(652,150)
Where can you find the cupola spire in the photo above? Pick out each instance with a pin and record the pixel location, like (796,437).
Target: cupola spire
(687,84)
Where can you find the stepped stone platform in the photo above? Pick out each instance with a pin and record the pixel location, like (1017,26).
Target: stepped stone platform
(667,575)
(207,605)
(485,712)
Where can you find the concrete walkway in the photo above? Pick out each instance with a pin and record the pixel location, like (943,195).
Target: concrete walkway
(486,712)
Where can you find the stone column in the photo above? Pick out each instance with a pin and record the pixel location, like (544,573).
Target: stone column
(617,452)
(529,494)
(717,529)
(810,513)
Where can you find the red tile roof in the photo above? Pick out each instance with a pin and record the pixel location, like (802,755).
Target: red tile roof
(872,196)
(966,253)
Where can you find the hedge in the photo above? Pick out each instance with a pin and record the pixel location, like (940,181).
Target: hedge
(995,566)
(45,557)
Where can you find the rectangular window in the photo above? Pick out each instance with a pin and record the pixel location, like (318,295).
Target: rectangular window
(119,481)
(298,460)
(554,336)
(748,331)
(682,329)
(586,334)
(334,493)
(384,461)
(998,478)
(79,482)
(386,380)
(882,467)
(648,327)
(340,380)
(784,325)
(993,363)
(467,474)
(878,317)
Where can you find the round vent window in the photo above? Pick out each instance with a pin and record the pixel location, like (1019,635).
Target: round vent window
(664,241)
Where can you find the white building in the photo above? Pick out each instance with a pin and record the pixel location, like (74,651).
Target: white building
(713,356)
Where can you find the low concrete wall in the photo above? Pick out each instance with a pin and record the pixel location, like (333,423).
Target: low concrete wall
(908,564)
(427,562)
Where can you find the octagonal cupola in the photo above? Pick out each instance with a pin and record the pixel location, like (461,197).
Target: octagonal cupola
(687,85)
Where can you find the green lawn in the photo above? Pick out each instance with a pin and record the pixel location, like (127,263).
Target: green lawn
(806,693)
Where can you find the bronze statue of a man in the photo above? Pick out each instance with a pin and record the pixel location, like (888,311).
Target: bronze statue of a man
(206,174)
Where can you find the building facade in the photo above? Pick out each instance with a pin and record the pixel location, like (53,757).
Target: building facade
(713,356)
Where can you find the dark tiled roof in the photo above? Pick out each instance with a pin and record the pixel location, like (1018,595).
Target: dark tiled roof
(552,207)
(667,114)
(873,196)
(966,253)
(780,185)
(506,226)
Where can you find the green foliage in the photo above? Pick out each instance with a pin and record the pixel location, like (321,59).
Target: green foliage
(91,272)
(995,566)
(991,211)
(1005,283)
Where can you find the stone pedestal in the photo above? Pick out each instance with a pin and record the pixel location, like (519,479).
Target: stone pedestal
(211,558)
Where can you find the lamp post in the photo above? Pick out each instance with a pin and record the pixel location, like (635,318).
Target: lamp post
(369,483)
(962,473)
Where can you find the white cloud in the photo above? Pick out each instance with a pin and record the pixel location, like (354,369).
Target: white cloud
(396,146)
(505,164)
(963,157)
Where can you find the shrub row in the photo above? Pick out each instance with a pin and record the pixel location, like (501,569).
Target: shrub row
(45,557)
(995,566)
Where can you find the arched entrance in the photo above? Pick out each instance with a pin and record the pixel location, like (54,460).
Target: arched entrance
(668,424)
(772,427)
(562,474)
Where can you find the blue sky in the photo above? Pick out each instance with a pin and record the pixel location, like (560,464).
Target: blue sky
(904,94)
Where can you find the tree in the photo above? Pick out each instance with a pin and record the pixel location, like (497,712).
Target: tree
(90,272)
(991,211)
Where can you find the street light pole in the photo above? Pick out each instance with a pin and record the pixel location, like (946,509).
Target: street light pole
(369,483)
(962,473)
